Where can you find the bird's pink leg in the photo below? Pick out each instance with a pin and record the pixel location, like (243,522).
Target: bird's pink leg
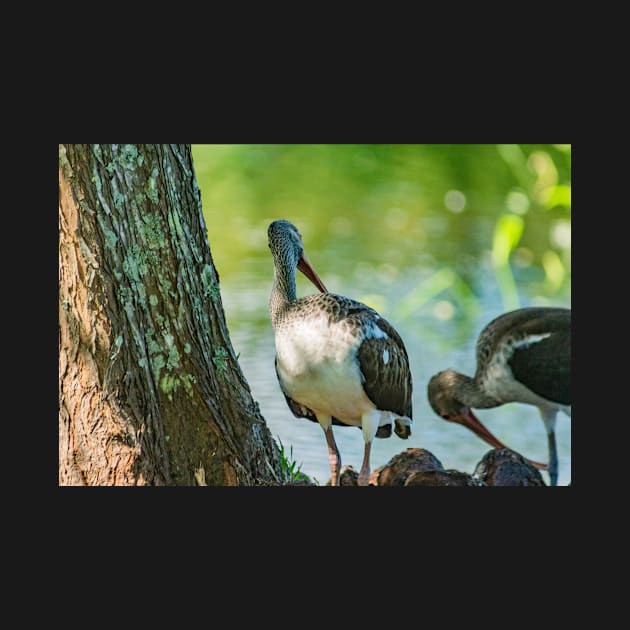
(364,473)
(334,459)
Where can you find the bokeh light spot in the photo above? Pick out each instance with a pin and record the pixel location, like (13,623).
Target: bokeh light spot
(455,200)
(517,202)
(560,234)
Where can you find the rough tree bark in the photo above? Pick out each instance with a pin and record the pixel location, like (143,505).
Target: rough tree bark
(150,391)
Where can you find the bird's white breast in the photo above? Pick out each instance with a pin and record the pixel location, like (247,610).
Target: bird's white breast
(317,365)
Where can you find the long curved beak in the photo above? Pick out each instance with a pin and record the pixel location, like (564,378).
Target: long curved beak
(305,267)
(470,421)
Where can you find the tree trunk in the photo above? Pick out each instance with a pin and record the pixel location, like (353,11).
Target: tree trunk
(150,392)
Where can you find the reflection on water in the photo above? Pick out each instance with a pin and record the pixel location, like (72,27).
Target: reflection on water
(411,231)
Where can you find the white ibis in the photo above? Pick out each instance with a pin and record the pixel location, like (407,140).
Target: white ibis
(522,356)
(337,360)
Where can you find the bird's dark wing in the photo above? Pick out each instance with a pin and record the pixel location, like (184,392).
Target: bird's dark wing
(298,410)
(530,320)
(384,364)
(545,365)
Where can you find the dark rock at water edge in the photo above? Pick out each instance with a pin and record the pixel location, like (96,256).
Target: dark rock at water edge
(402,465)
(504,467)
(442,478)
(300,482)
(348,476)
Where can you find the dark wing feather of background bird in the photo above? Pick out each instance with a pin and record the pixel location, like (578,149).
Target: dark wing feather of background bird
(553,352)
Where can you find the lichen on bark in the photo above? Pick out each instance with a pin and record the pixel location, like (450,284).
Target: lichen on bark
(145,353)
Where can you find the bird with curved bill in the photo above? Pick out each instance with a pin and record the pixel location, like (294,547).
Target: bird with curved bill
(338,361)
(523,356)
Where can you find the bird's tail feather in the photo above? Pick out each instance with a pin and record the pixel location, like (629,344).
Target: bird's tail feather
(403,427)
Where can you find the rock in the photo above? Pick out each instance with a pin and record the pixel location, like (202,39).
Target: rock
(300,482)
(347,477)
(375,474)
(442,478)
(505,467)
(402,465)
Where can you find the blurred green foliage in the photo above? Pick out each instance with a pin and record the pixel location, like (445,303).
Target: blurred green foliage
(440,212)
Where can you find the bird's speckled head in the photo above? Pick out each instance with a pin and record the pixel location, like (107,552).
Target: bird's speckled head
(442,397)
(285,240)
(285,243)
